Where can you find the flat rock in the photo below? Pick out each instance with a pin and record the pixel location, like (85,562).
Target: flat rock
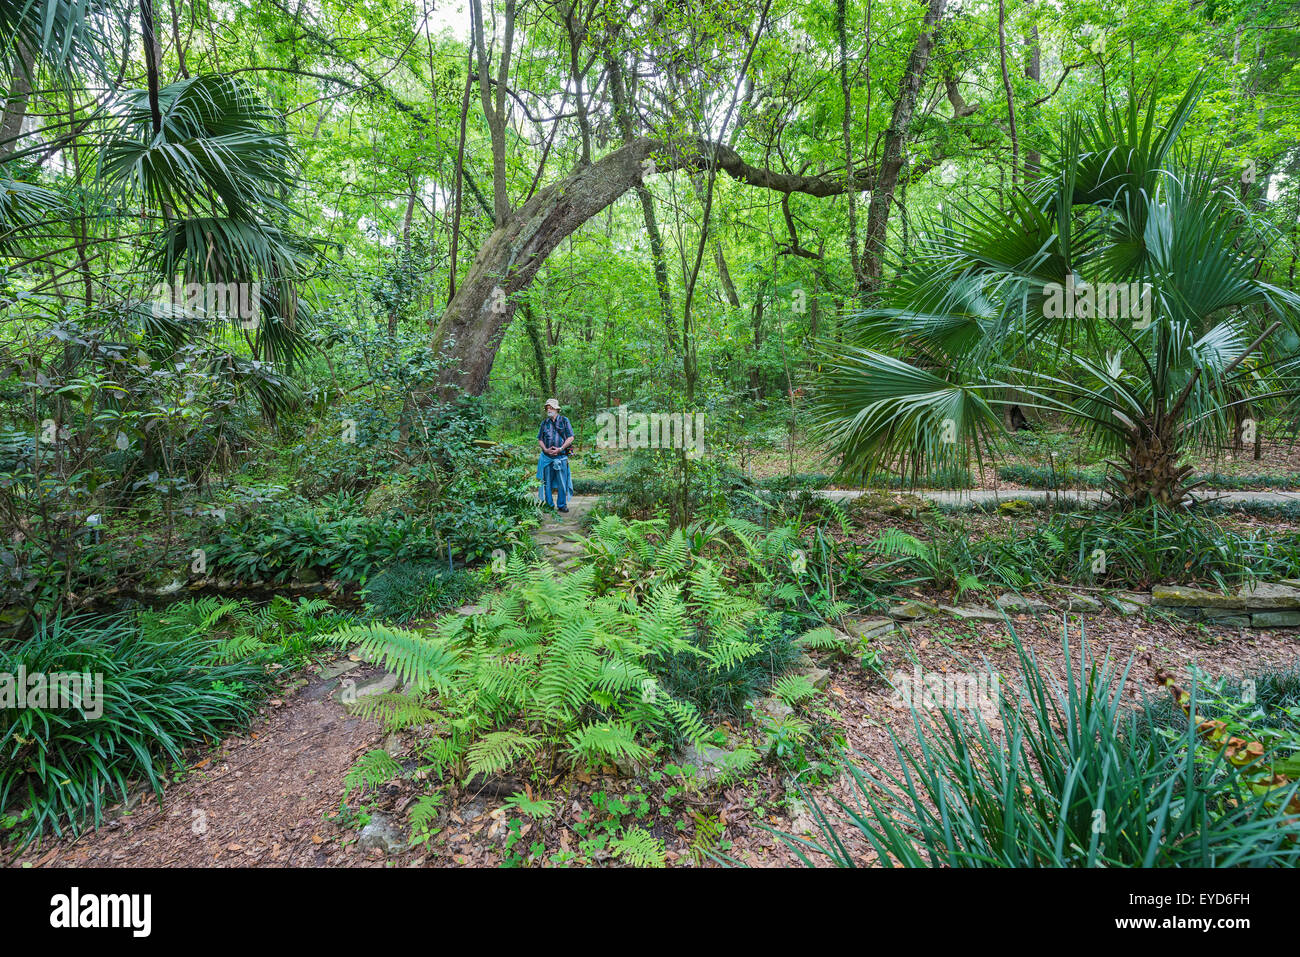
(1084,603)
(1271,596)
(771,707)
(708,761)
(1014,604)
(471,609)
(911,610)
(867,628)
(380,833)
(1134,597)
(819,677)
(340,667)
(1275,619)
(1257,596)
(972,612)
(349,694)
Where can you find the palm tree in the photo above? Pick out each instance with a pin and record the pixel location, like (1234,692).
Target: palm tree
(1121,291)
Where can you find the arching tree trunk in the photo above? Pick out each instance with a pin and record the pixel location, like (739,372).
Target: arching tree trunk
(473,323)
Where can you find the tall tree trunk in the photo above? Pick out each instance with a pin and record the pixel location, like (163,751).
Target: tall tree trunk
(1006,86)
(539,350)
(458,190)
(846,124)
(15,105)
(472,324)
(891,162)
(622,116)
(1033,71)
(152,62)
(494,107)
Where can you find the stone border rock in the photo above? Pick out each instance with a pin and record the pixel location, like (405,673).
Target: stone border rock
(1257,605)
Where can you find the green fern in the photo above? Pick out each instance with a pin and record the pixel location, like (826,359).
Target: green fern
(794,688)
(422,662)
(639,848)
(824,638)
(607,741)
(497,750)
(371,770)
(395,711)
(423,815)
(535,809)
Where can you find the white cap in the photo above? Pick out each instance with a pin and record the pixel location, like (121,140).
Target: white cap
(553,402)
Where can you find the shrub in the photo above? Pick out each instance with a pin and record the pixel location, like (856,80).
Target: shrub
(1067,782)
(349,546)
(404,592)
(725,689)
(603,663)
(162,691)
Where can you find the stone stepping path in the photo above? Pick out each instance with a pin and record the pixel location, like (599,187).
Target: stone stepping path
(560,530)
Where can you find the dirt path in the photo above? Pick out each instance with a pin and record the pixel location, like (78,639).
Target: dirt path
(271,796)
(262,798)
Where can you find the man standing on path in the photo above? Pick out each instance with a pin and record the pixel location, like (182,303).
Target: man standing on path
(554,438)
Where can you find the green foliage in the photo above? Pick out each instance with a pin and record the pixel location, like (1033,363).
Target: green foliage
(942,560)
(344,544)
(536,809)
(792,689)
(638,848)
(405,592)
(1140,548)
(558,667)
(164,688)
(423,815)
(170,679)
(373,769)
(976,323)
(1136,548)
(1067,781)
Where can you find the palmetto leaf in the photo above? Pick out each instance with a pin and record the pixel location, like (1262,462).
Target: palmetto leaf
(219,150)
(979,325)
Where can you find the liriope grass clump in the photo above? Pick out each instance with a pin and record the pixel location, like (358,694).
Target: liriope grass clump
(142,688)
(1074,777)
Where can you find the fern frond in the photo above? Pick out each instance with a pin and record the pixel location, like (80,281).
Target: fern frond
(424,812)
(498,750)
(536,809)
(395,711)
(794,688)
(421,661)
(824,638)
(607,741)
(639,848)
(371,770)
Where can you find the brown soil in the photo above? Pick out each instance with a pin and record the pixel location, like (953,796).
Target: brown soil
(266,797)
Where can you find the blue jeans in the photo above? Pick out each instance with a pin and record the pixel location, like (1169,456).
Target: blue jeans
(553,478)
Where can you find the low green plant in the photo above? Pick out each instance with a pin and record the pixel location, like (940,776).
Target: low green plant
(1066,782)
(164,688)
(405,592)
